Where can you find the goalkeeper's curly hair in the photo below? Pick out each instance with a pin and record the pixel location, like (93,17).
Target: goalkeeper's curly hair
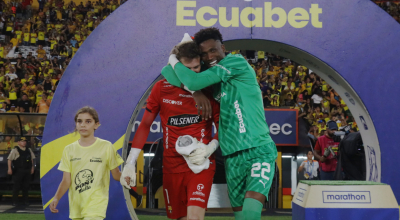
(188,50)
(207,34)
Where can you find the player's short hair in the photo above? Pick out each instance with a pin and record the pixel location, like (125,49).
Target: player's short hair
(188,50)
(207,34)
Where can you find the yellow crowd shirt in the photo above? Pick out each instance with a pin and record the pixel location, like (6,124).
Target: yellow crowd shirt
(74,49)
(18,33)
(1,52)
(33,38)
(41,35)
(90,177)
(309,87)
(289,71)
(59,15)
(343,103)
(53,42)
(14,41)
(302,75)
(26,37)
(10,26)
(50,26)
(261,55)
(12,95)
(38,96)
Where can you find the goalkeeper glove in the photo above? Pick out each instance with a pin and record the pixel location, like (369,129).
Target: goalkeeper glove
(129,170)
(200,155)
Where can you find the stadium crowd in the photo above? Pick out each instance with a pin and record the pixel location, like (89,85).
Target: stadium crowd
(286,84)
(391,7)
(38,46)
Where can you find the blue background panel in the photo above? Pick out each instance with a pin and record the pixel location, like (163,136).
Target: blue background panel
(301,213)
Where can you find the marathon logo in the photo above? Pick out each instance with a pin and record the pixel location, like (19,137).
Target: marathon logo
(184,120)
(346,196)
(173,102)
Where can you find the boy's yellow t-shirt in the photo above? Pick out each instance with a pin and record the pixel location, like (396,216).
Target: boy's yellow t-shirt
(90,176)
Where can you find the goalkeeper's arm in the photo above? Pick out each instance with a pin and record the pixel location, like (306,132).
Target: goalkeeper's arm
(194,81)
(128,177)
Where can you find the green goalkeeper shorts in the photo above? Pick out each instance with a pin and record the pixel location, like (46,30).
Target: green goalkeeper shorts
(250,170)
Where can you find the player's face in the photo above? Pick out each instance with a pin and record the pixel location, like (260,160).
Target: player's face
(86,125)
(192,64)
(212,51)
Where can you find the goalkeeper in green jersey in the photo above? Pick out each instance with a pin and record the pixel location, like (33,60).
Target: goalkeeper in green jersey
(244,136)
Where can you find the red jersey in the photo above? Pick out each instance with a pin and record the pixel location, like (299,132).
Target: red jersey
(330,162)
(179,117)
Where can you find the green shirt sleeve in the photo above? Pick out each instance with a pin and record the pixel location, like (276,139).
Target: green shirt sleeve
(171,76)
(196,81)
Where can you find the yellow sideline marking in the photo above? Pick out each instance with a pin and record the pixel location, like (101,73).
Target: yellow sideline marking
(51,153)
(119,143)
(47,204)
(62,142)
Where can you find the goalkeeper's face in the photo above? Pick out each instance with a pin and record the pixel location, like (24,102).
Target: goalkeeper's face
(192,64)
(212,51)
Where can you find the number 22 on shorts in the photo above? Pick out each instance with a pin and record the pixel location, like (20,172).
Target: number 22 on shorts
(257,167)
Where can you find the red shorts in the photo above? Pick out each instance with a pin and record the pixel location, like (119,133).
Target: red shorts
(186,189)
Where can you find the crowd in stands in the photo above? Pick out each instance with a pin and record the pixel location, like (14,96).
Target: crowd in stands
(391,7)
(38,45)
(286,84)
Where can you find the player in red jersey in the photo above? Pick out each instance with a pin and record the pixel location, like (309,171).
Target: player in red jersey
(185,192)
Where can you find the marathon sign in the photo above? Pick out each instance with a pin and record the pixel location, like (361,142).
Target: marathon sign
(283,125)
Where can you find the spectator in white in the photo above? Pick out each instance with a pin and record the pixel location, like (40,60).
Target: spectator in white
(317,99)
(12,74)
(310,167)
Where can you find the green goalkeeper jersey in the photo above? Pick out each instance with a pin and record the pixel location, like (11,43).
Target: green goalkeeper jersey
(242,123)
